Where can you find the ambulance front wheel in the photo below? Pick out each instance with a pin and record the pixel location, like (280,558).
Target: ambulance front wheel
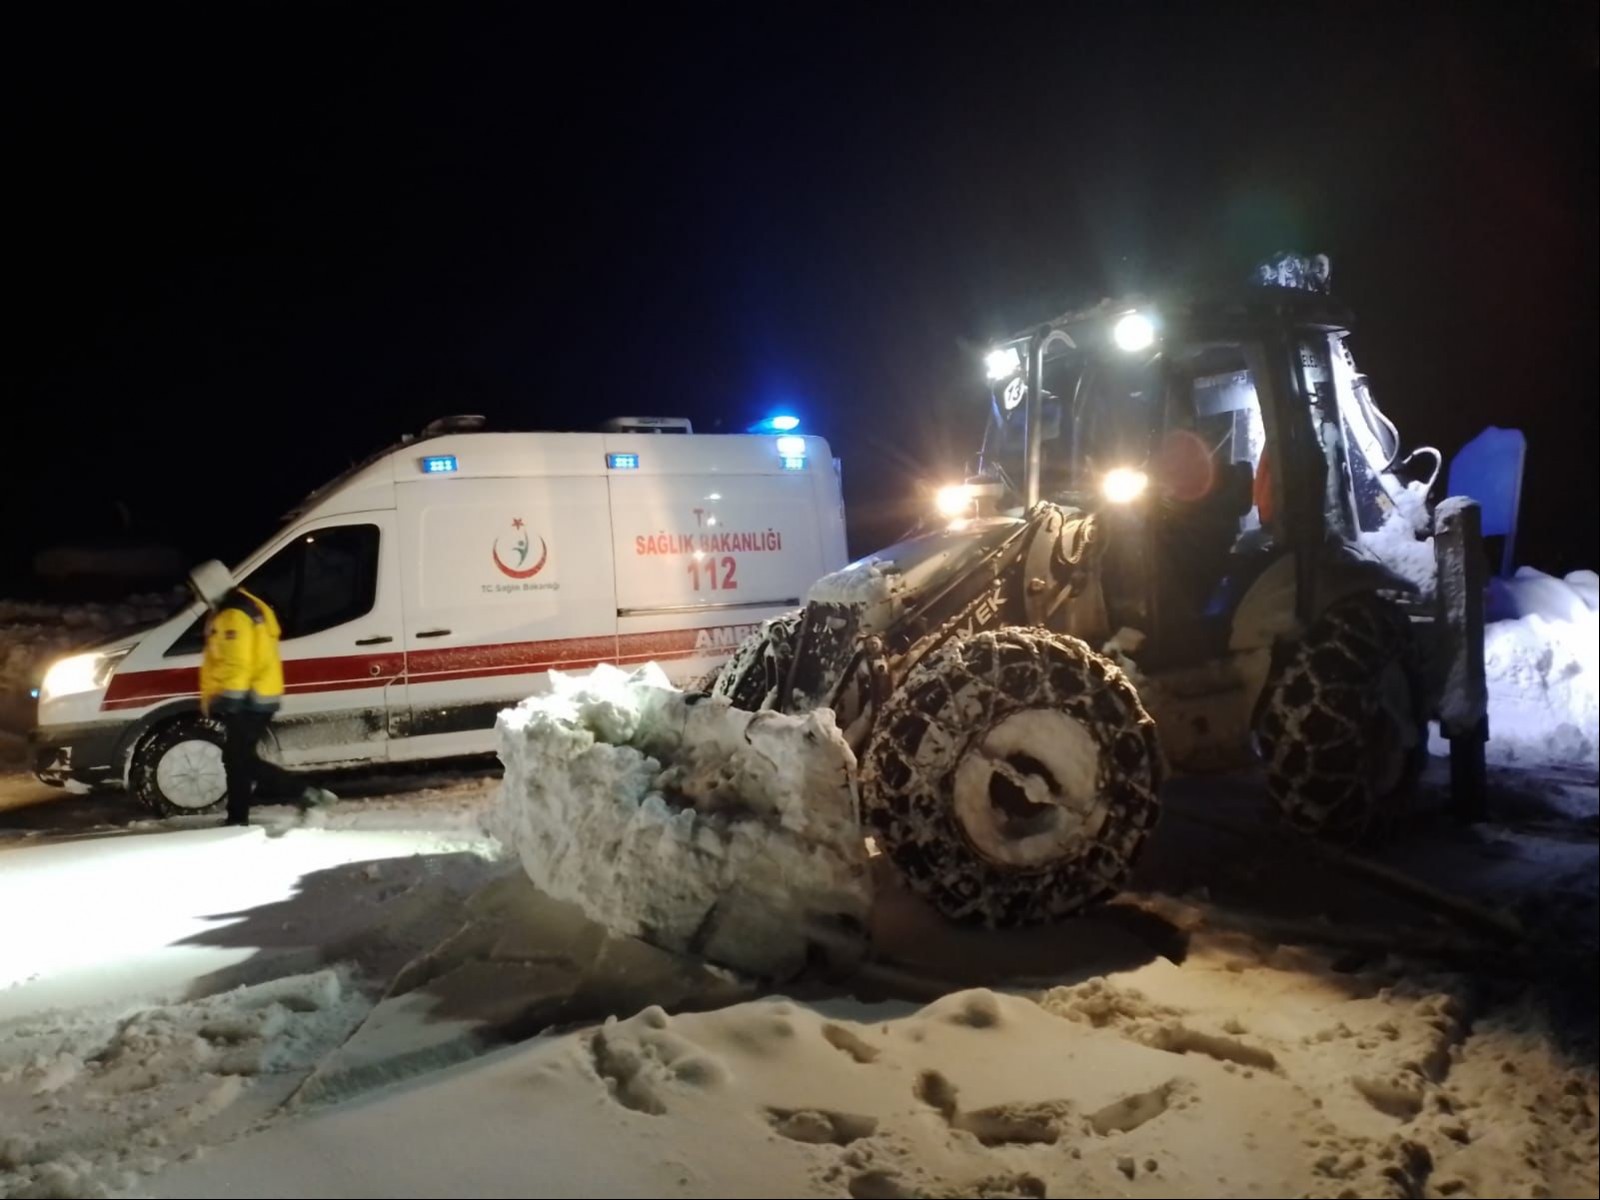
(178,769)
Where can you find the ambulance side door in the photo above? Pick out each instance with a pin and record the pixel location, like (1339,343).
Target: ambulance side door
(334,585)
(504,580)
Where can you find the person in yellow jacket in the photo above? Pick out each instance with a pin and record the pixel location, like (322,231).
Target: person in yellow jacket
(241,686)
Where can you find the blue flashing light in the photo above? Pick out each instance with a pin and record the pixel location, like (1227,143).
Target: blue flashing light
(439,464)
(623,462)
(34,692)
(794,462)
(777,423)
(792,446)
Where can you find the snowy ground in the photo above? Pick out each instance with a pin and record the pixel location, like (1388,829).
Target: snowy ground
(376,1001)
(343,1010)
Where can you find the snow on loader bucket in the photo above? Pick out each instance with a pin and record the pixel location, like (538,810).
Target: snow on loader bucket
(725,835)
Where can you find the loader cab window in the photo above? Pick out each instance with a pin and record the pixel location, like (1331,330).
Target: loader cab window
(1098,414)
(1214,440)
(319,580)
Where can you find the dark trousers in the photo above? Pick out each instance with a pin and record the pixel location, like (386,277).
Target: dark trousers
(249,775)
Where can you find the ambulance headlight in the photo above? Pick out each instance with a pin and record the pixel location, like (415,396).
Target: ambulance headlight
(79,673)
(1124,485)
(1134,332)
(1002,362)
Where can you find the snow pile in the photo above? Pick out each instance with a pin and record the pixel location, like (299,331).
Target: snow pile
(1244,1072)
(676,818)
(91,1102)
(1402,543)
(862,584)
(31,635)
(1542,658)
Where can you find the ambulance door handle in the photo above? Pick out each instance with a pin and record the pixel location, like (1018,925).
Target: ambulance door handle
(373,641)
(434,633)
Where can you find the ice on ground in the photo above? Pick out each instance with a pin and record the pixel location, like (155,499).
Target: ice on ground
(677,818)
(1542,659)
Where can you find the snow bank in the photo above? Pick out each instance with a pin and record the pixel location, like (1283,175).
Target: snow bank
(31,635)
(1244,1072)
(142,1087)
(1542,657)
(679,819)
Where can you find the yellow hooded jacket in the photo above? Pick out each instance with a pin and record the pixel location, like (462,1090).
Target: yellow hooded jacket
(241,669)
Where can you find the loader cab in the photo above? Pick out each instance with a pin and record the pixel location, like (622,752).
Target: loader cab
(1204,435)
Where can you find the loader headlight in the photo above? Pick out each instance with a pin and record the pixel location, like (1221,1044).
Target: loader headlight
(1002,362)
(1123,485)
(1134,332)
(79,673)
(954,500)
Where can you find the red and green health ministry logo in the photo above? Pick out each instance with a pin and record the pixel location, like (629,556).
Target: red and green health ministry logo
(518,552)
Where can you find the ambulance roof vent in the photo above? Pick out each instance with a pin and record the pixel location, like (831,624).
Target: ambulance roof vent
(648,425)
(457,424)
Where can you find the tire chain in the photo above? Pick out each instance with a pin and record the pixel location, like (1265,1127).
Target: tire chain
(1316,728)
(943,709)
(759,665)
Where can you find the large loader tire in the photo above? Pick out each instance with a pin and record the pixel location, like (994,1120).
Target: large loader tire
(1013,778)
(1341,727)
(752,675)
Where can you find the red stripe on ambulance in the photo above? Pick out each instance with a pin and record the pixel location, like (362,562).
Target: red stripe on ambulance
(138,689)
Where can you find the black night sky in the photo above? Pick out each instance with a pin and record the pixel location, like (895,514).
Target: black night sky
(251,242)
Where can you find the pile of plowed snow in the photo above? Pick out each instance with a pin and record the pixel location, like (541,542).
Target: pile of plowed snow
(31,635)
(677,818)
(1542,655)
(93,1100)
(1245,1072)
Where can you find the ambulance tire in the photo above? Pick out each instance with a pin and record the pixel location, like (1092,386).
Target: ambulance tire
(753,673)
(1341,727)
(1013,778)
(177,770)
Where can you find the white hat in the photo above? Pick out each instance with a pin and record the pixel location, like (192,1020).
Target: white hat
(211,581)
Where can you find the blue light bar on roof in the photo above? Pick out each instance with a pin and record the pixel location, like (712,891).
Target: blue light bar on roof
(623,462)
(439,464)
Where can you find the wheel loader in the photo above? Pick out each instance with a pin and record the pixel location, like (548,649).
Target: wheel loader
(1181,545)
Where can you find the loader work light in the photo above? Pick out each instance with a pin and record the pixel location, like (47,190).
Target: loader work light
(1002,362)
(1123,485)
(1134,332)
(953,500)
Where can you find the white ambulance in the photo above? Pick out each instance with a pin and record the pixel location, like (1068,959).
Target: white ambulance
(435,584)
